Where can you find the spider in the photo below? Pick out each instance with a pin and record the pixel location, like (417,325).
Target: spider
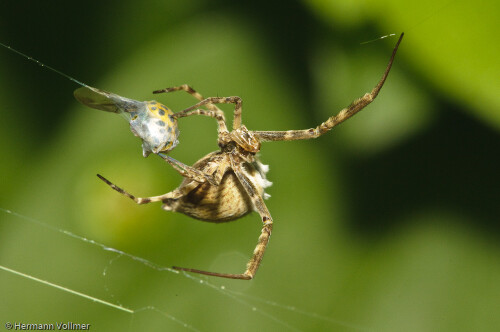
(229,183)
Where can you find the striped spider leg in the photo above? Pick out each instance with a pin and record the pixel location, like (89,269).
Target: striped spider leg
(238,178)
(331,122)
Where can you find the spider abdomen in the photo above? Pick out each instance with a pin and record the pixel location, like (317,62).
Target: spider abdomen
(224,202)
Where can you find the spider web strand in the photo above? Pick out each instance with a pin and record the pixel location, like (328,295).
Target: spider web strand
(67,290)
(233,295)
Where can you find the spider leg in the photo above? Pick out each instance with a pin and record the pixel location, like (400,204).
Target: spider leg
(343,115)
(214,112)
(213,175)
(217,115)
(183,87)
(188,171)
(267,227)
(189,90)
(142,200)
(218,100)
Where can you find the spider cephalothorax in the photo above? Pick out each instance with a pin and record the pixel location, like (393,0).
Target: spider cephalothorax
(228,184)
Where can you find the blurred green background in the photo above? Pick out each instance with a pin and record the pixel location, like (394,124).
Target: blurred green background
(388,223)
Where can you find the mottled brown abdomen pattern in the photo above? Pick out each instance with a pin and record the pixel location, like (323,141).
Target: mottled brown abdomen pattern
(224,202)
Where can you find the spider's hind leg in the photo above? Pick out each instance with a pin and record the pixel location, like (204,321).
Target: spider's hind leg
(142,200)
(267,227)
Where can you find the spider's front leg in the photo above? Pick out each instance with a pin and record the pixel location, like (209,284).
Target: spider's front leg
(213,112)
(218,100)
(191,91)
(183,87)
(217,115)
(331,122)
(267,227)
